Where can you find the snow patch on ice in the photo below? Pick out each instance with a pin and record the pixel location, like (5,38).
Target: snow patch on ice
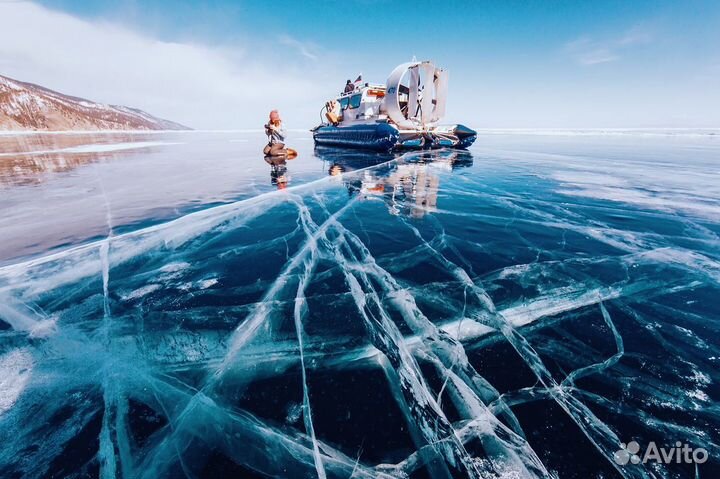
(15,371)
(198,285)
(700,378)
(698,394)
(140,292)
(174,267)
(207,283)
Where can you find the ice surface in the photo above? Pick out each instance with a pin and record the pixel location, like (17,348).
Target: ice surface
(517,311)
(94,148)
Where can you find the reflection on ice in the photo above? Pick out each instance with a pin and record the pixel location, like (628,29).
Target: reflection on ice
(91,148)
(278,171)
(413,316)
(409,188)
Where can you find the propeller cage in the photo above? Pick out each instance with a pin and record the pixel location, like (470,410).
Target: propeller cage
(415,95)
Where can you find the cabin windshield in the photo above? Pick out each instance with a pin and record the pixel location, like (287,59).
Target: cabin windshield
(344,102)
(355,101)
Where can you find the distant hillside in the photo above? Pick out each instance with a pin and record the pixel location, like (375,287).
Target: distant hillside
(25,106)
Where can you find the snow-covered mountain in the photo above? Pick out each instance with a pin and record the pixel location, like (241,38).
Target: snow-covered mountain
(25,106)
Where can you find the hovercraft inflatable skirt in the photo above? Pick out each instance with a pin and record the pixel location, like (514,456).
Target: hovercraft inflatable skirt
(385,137)
(379,136)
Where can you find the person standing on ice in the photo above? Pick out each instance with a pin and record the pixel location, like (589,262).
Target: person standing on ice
(276,137)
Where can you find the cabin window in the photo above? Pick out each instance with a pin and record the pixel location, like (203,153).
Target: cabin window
(355,101)
(344,103)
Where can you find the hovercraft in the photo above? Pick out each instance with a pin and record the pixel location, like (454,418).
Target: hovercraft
(401,114)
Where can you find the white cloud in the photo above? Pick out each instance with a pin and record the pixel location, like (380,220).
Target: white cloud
(588,51)
(635,36)
(194,84)
(305,49)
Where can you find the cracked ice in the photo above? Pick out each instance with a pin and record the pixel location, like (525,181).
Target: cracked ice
(425,316)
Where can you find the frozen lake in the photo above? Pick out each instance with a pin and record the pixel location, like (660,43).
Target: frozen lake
(172,305)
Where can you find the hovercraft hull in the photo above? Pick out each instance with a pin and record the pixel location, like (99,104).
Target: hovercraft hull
(386,137)
(378,136)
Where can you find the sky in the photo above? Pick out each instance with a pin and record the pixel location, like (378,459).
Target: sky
(224,64)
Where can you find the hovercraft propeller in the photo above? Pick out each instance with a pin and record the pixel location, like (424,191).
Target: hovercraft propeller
(416,93)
